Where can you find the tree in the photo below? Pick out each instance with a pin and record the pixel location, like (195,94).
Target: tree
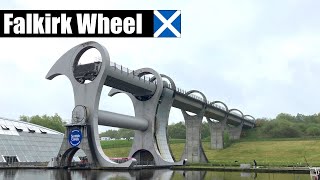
(177,131)
(112,133)
(24,118)
(205,131)
(287,117)
(126,133)
(52,122)
(313,130)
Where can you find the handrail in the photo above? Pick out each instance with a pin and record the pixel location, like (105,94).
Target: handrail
(124,70)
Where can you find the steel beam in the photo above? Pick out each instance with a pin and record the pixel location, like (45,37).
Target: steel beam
(107,118)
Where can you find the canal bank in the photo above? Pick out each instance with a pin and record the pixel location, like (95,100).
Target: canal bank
(57,174)
(295,170)
(300,170)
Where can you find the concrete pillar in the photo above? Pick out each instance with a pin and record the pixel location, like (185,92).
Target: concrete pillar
(217,134)
(193,151)
(235,132)
(217,128)
(67,151)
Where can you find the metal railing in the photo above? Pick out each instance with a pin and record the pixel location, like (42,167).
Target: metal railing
(124,70)
(236,113)
(128,72)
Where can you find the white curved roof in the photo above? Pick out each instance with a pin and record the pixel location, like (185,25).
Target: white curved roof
(12,127)
(28,142)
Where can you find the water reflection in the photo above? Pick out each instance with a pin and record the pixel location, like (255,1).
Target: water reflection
(105,175)
(192,174)
(31,174)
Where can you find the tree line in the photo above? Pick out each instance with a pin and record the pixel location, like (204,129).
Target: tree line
(117,134)
(54,122)
(175,131)
(283,126)
(286,126)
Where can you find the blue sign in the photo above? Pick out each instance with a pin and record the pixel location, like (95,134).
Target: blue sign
(75,137)
(167,23)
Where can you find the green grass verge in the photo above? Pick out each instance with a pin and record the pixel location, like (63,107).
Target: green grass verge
(266,153)
(128,143)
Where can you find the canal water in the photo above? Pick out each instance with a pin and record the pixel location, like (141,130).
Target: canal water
(163,174)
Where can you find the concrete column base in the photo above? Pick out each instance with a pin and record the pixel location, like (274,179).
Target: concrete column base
(67,151)
(217,134)
(235,132)
(193,151)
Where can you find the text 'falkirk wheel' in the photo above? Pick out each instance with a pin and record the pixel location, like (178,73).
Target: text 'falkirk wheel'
(150,122)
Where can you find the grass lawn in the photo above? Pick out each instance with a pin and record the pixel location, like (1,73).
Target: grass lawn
(266,153)
(273,153)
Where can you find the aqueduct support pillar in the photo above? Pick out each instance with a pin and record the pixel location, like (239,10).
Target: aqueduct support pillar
(235,132)
(217,134)
(193,150)
(217,129)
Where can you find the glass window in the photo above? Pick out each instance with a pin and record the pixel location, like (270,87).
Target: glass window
(4,127)
(23,147)
(43,131)
(21,157)
(18,128)
(11,159)
(31,130)
(3,152)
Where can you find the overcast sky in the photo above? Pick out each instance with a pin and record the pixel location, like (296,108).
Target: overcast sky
(262,57)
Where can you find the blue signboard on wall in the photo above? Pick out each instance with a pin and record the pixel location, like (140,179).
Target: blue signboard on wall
(75,137)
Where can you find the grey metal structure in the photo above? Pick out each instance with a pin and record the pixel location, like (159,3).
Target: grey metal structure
(152,143)
(85,114)
(152,100)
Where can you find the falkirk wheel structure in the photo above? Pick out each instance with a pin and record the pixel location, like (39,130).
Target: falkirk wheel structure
(152,100)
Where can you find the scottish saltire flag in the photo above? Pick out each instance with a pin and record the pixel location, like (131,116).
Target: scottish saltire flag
(167,23)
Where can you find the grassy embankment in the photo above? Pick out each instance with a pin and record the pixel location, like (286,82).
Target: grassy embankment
(267,152)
